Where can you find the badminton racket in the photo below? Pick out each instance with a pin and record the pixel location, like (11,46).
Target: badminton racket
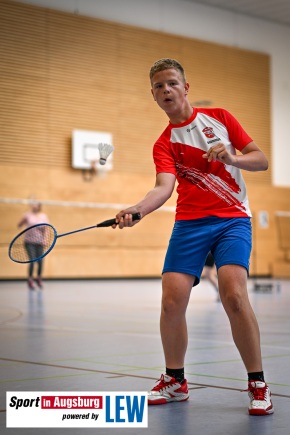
(37,241)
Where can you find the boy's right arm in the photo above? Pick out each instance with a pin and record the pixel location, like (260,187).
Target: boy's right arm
(154,199)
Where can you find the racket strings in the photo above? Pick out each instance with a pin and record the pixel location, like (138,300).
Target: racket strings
(32,243)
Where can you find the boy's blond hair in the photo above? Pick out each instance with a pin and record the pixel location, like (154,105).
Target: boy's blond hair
(166,63)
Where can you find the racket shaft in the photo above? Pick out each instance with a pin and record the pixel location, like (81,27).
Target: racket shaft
(110,222)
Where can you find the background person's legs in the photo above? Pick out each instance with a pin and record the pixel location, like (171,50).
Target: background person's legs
(210,274)
(30,248)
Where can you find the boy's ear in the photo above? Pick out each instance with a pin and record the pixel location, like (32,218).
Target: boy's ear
(153,94)
(186,87)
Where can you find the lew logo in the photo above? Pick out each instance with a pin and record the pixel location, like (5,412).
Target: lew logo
(125,409)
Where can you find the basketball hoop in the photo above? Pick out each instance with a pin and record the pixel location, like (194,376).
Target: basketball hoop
(96,170)
(87,174)
(99,170)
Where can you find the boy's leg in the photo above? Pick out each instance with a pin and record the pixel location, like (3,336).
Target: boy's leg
(176,289)
(246,335)
(234,295)
(172,386)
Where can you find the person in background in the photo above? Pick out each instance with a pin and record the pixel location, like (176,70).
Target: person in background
(204,150)
(34,247)
(209,272)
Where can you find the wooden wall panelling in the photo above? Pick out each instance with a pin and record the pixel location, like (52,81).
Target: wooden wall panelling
(61,71)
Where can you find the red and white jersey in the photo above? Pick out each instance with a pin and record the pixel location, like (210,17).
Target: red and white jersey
(204,189)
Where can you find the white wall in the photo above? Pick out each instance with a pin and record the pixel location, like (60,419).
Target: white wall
(184,18)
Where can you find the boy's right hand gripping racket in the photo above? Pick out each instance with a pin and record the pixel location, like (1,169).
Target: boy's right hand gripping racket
(44,235)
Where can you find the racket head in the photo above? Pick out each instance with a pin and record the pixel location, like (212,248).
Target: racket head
(41,235)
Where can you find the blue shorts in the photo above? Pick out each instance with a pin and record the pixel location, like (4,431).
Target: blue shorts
(229,240)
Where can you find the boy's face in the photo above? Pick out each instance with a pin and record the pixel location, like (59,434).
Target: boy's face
(169,90)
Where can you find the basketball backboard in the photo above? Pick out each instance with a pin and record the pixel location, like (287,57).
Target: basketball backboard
(85,151)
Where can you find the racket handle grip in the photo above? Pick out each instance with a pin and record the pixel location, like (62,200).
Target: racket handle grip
(110,222)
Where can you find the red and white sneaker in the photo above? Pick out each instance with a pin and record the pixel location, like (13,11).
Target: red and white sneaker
(260,396)
(168,390)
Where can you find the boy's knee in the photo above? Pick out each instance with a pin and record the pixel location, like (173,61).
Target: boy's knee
(170,305)
(234,302)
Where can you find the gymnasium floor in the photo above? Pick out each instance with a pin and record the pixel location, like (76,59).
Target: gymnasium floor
(103,335)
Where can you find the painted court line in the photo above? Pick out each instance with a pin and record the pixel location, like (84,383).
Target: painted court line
(127,375)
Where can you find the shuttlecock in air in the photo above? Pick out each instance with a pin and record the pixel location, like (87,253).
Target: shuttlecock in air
(105,150)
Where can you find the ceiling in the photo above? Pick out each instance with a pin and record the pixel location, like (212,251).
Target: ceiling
(277,11)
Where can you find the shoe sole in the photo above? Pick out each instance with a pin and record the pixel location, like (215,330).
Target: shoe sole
(164,401)
(261,411)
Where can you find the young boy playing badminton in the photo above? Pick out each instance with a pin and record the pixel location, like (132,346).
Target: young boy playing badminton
(198,149)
